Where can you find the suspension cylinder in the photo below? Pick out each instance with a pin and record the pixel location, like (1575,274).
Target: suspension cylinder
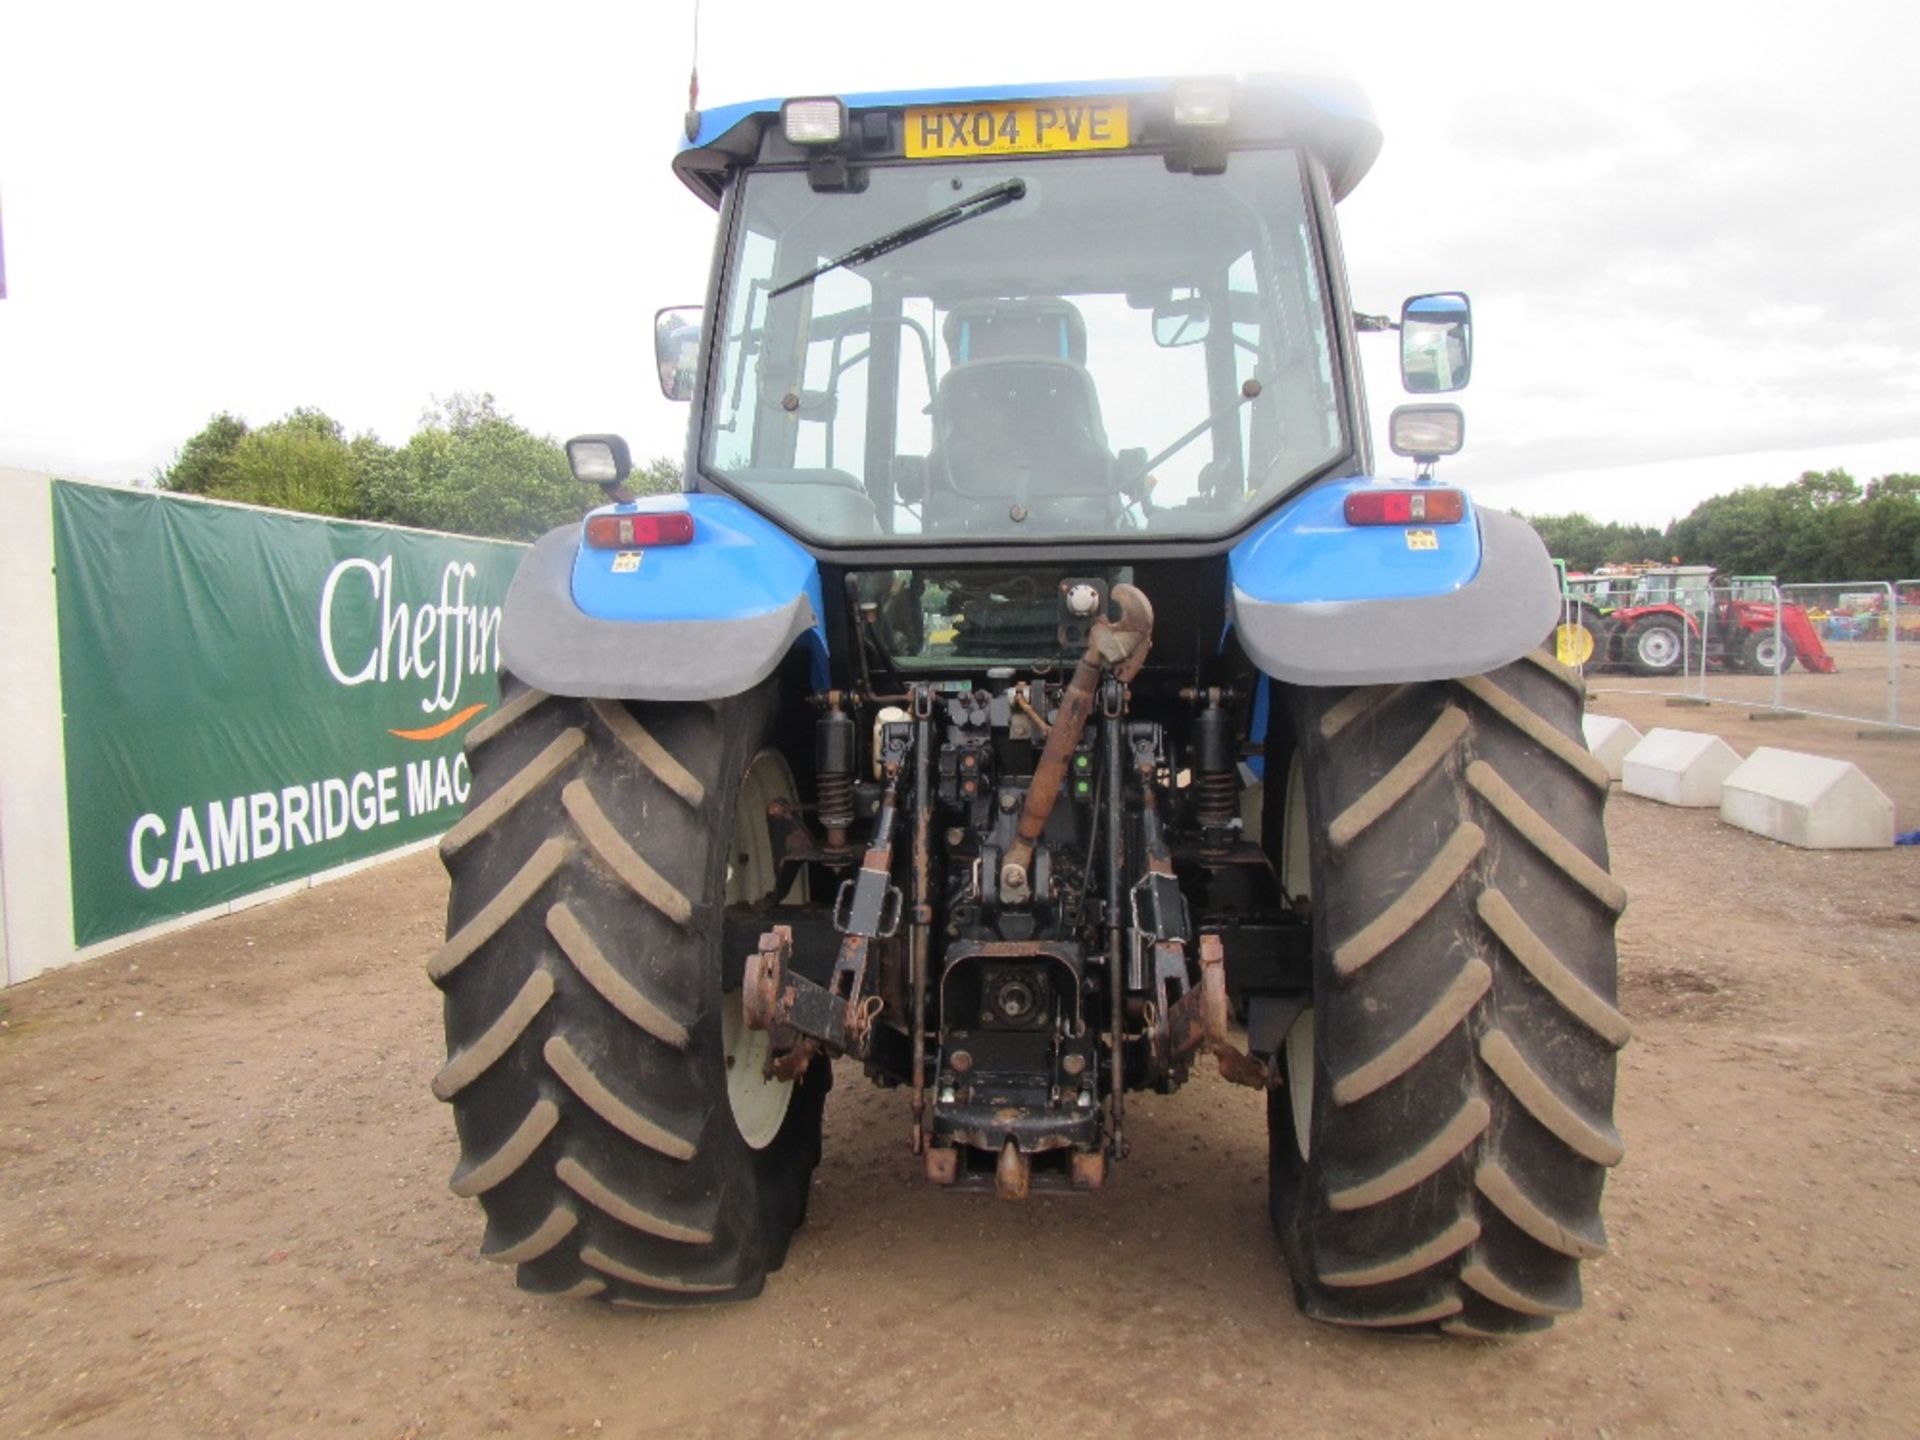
(1216,787)
(834,743)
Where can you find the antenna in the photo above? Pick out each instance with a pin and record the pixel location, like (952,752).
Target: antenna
(693,80)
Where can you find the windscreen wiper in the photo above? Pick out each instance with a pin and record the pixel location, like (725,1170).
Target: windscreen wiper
(983,203)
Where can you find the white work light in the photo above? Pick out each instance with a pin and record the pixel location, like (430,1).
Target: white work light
(599,459)
(1423,431)
(819,120)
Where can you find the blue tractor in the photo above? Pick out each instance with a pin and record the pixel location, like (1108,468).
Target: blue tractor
(1032,692)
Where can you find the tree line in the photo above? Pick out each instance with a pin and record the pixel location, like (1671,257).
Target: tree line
(469,468)
(1823,526)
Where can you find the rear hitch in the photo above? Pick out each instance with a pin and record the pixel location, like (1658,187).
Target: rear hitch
(770,995)
(802,1015)
(1013,1175)
(1198,1020)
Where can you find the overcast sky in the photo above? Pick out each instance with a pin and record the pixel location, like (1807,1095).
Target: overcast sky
(1692,240)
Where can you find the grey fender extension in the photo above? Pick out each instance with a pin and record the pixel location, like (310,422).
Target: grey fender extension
(547,640)
(1508,608)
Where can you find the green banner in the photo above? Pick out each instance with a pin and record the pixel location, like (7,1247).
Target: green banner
(252,696)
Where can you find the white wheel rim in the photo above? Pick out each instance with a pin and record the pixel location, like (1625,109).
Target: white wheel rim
(1768,654)
(1298,1047)
(1296,871)
(1657,647)
(759,1105)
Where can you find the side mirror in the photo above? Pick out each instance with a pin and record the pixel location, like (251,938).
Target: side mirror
(1436,343)
(1180,322)
(599,459)
(676,349)
(1426,432)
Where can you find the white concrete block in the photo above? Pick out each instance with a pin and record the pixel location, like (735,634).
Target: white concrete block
(1807,800)
(1609,738)
(1678,767)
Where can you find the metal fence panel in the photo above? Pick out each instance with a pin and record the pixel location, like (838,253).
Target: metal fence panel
(1848,647)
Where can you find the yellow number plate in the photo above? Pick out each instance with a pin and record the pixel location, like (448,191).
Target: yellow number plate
(947,132)
(1422,540)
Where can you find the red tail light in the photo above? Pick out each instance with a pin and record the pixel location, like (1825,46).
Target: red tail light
(1427,506)
(638,532)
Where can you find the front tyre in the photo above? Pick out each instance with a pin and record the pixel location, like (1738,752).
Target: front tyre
(614,1125)
(1444,1127)
(1765,653)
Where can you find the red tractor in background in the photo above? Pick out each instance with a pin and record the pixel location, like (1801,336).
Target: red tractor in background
(1676,615)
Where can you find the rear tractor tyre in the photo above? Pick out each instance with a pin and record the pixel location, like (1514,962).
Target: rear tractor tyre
(1764,653)
(614,1119)
(1582,638)
(1655,646)
(1443,1129)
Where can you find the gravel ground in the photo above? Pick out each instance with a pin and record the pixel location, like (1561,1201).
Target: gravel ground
(223,1209)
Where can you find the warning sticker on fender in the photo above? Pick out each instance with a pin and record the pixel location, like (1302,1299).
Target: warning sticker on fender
(1422,540)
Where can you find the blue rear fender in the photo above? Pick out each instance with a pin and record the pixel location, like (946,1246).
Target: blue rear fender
(1317,601)
(699,621)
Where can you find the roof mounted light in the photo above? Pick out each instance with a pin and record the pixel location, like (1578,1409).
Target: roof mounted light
(814,120)
(1202,102)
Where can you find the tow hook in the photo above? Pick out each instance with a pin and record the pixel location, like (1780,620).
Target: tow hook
(1013,1175)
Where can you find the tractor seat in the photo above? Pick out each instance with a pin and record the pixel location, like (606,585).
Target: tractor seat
(1017,419)
(1020,427)
(999,329)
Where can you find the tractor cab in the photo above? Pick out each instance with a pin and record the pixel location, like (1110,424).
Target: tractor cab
(1688,586)
(1066,317)
(1603,592)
